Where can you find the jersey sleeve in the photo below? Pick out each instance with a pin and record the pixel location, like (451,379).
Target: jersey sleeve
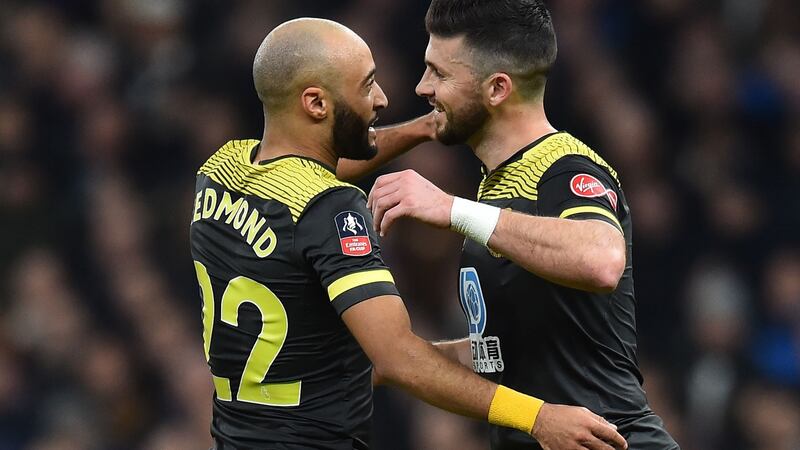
(576,188)
(335,236)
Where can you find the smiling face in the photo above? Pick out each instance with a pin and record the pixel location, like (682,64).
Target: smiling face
(320,75)
(356,106)
(452,88)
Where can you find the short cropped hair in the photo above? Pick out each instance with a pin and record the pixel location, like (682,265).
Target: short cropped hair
(512,36)
(281,64)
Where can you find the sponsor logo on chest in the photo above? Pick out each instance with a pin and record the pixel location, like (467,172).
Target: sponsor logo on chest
(487,356)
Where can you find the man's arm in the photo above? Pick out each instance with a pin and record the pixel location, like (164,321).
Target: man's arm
(582,254)
(391,141)
(382,328)
(458,350)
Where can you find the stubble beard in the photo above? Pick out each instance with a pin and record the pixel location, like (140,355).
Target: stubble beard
(463,124)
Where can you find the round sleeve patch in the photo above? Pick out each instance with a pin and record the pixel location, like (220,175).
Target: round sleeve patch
(353,233)
(585,185)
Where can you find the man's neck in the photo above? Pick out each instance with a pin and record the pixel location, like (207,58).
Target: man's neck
(280,139)
(508,132)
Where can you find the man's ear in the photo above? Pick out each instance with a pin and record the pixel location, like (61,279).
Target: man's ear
(497,88)
(315,103)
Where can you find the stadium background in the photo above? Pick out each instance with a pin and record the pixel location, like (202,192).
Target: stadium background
(108,108)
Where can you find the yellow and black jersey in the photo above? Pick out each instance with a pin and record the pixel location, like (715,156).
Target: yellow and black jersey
(281,250)
(560,344)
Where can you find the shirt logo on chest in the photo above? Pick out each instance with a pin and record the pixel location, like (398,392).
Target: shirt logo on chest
(486,354)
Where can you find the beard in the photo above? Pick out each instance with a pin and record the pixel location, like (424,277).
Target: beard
(463,123)
(351,134)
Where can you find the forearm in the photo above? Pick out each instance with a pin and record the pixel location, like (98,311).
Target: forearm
(421,369)
(391,142)
(583,254)
(587,255)
(424,372)
(458,350)
(399,357)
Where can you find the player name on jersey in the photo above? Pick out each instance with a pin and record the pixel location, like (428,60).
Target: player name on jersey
(236,215)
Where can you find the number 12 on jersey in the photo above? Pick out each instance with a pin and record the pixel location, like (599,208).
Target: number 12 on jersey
(274,328)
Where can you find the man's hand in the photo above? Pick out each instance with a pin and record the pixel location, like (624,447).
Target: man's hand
(560,427)
(408,194)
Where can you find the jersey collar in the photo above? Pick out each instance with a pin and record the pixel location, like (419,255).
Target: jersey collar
(518,154)
(254,151)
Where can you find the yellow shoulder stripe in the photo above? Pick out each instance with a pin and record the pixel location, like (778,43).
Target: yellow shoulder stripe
(357,279)
(591,210)
(520,179)
(292,181)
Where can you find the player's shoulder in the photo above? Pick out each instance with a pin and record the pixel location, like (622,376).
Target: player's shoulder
(523,175)
(225,154)
(292,180)
(336,201)
(563,152)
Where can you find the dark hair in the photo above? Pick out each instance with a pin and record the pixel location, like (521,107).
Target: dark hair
(512,36)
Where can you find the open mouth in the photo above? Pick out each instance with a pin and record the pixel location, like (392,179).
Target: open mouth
(436,106)
(371,129)
(438,112)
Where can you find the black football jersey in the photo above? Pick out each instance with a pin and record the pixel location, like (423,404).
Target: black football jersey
(560,344)
(281,250)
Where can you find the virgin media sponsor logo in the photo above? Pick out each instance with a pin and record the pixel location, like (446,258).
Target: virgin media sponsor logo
(585,185)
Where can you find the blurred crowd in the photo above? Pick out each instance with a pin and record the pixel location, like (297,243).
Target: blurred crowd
(107,109)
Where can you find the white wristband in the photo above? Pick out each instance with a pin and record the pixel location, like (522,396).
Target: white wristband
(474,220)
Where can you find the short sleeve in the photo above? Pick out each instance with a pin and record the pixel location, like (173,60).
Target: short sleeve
(335,236)
(576,188)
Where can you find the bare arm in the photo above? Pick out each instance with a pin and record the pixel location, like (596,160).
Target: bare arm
(391,141)
(382,328)
(458,350)
(582,254)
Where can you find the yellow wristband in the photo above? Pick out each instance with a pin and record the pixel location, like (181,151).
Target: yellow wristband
(514,409)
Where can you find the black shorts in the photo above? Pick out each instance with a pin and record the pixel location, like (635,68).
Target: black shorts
(647,433)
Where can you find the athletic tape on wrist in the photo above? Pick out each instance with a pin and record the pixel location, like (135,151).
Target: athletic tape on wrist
(474,220)
(514,409)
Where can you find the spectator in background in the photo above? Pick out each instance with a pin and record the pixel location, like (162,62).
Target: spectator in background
(776,347)
(717,312)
